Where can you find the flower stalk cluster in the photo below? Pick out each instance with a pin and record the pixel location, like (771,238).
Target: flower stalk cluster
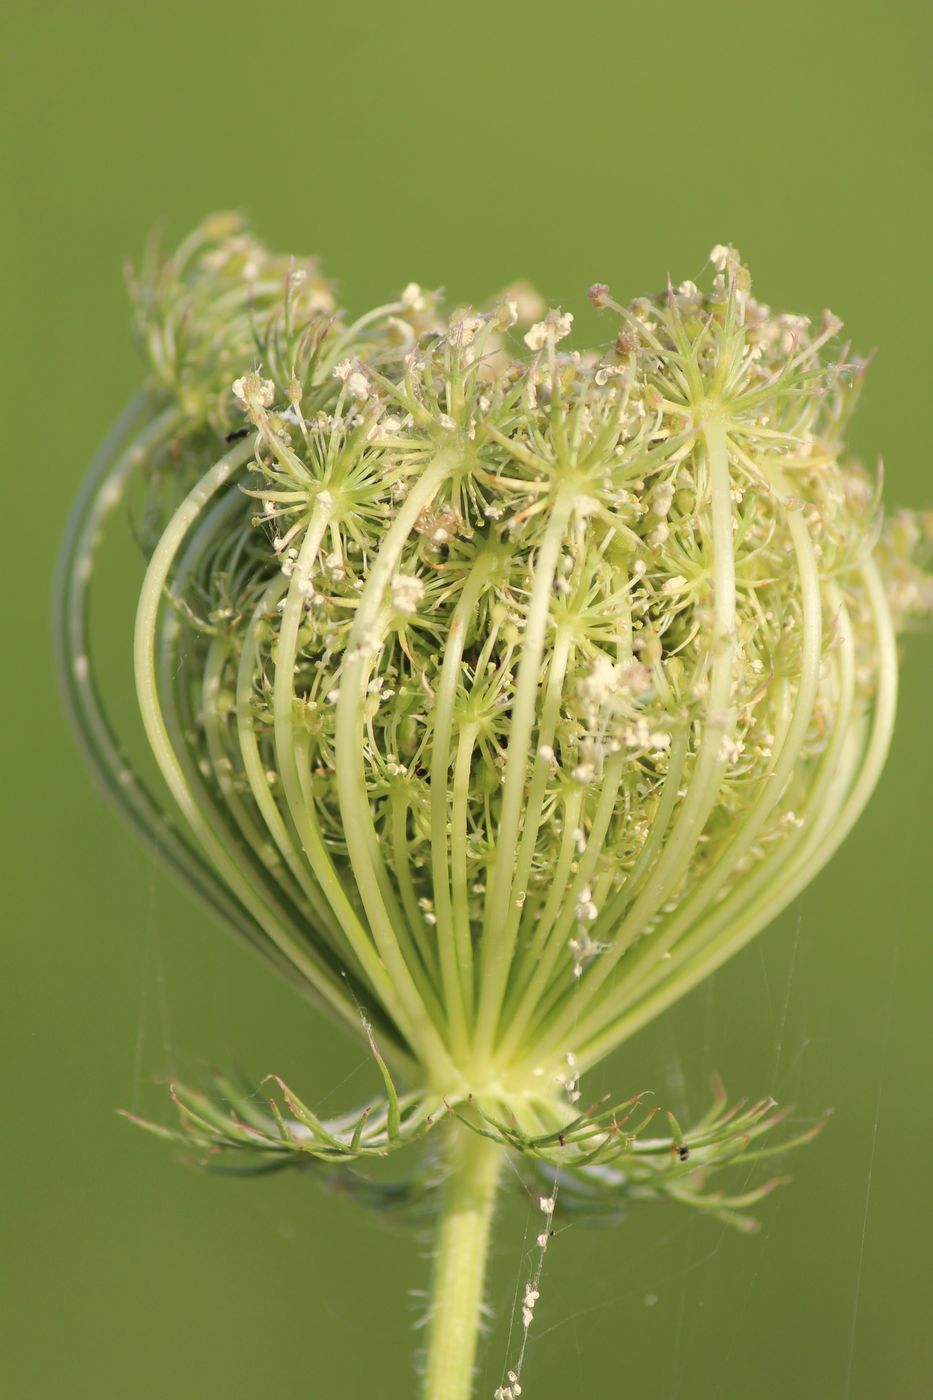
(506,689)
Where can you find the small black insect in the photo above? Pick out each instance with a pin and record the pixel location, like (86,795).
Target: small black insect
(683,1152)
(237,434)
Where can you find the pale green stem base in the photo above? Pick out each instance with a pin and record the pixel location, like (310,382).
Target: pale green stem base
(474,1165)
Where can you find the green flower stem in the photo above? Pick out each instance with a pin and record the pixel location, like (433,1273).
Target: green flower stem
(247,743)
(612,916)
(448,888)
(529,968)
(548,983)
(819,811)
(499,932)
(788,876)
(709,766)
(301,812)
(552,693)
(214,720)
(362,841)
(180,712)
(475,1164)
(157,732)
(653,947)
(426,949)
(104,492)
(253,766)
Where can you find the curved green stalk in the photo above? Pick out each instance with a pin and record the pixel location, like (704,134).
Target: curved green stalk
(463,934)
(218,658)
(543,988)
(657,944)
(302,812)
(571,816)
(784,883)
(426,953)
(303,896)
(103,491)
(704,785)
(151,597)
(611,916)
(455,948)
(253,766)
(179,699)
(553,688)
(822,805)
(498,931)
(362,846)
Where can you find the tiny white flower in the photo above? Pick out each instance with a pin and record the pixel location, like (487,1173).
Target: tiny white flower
(555,323)
(253,391)
(637,735)
(724,256)
(413,298)
(407,591)
(467,328)
(606,372)
(358,386)
(600,686)
(585,910)
(730,750)
(663,498)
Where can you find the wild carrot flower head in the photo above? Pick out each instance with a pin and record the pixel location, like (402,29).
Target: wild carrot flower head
(507,688)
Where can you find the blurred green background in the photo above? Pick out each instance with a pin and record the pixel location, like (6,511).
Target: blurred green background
(466,146)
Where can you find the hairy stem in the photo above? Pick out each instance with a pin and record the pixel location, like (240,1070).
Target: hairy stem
(475,1164)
